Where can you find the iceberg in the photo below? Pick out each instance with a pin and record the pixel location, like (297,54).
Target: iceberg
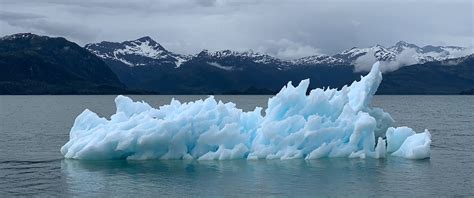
(325,123)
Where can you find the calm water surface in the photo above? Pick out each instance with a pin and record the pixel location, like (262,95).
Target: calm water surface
(33,128)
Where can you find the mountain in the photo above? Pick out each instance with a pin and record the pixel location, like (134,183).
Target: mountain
(399,52)
(145,64)
(467,92)
(32,64)
(206,72)
(143,51)
(228,57)
(320,60)
(451,76)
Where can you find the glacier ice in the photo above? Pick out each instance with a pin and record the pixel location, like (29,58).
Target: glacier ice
(325,123)
(415,146)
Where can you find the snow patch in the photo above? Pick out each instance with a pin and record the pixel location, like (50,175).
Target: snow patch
(215,64)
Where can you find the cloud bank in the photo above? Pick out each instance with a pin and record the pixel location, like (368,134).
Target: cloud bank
(406,57)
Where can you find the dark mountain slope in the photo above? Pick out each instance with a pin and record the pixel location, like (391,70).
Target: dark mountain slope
(33,64)
(441,77)
(145,64)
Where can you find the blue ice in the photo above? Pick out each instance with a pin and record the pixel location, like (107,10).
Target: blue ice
(325,123)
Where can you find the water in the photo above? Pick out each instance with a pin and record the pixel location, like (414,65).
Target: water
(33,128)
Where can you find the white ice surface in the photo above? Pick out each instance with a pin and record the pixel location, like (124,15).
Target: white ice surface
(325,123)
(416,146)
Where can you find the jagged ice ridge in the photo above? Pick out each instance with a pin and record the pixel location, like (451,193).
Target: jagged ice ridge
(325,123)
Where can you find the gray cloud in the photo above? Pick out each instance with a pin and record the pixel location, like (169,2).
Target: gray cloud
(40,24)
(287,49)
(207,2)
(365,62)
(279,27)
(13,16)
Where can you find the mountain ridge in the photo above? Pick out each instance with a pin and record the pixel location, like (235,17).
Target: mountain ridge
(346,57)
(142,51)
(33,64)
(227,71)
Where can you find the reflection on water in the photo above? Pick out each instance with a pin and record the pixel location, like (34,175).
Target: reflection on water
(365,177)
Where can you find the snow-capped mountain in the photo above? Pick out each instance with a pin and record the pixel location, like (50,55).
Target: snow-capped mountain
(146,51)
(250,55)
(21,36)
(229,57)
(402,45)
(401,50)
(429,53)
(348,57)
(143,64)
(319,59)
(143,51)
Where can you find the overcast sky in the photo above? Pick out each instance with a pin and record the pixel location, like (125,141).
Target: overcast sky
(287,29)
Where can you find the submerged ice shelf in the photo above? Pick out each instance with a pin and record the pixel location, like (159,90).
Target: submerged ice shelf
(325,123)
